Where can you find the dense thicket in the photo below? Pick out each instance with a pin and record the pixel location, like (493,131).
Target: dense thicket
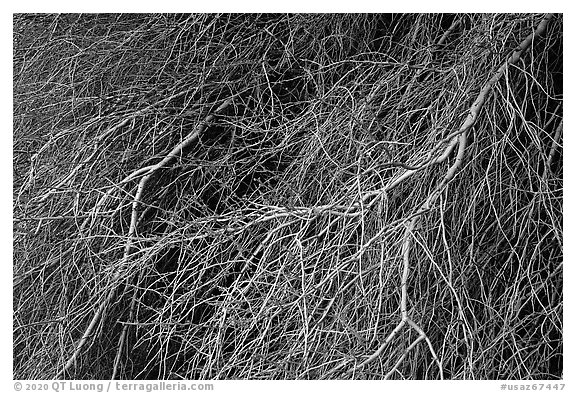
(288,196)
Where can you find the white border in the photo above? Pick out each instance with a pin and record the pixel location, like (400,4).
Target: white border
(297,6)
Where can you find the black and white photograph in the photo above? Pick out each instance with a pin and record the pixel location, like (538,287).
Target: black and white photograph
(287,196)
